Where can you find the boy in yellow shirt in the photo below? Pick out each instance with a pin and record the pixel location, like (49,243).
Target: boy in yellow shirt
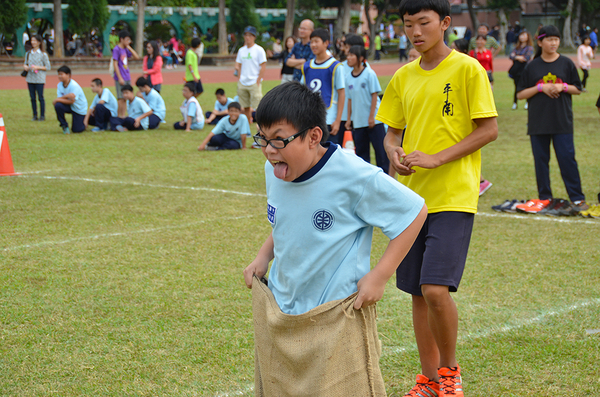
(446,102)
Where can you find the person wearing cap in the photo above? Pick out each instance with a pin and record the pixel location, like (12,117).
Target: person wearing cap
(113,39)
(250,66)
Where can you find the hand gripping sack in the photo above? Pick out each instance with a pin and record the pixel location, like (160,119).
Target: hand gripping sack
(332,350)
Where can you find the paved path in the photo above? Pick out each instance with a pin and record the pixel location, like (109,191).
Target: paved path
(209,74)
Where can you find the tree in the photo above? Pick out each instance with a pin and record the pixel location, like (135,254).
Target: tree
(13,15)
(382,6)
(58,29)
(84,15)
(289,19)
(222,28)
(502,8)
(242,14)
(141,23)
(473,15)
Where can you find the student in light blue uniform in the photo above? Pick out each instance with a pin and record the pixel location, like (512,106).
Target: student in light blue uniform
(69,99)
(230,132)
(362,91)
(138,112)
(220,109)
(324,75)
(104,107)
(351,39)
(193,118)
(154,100)
(333,236)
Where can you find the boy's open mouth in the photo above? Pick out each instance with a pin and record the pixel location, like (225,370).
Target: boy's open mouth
(280,169)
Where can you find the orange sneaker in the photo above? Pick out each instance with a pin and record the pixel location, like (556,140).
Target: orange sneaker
(424,388)
(450,382)
(533,206)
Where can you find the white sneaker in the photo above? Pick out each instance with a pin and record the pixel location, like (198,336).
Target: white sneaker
(526,105)
(514,107)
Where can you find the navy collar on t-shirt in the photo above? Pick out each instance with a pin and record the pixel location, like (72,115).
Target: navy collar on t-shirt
(331,147)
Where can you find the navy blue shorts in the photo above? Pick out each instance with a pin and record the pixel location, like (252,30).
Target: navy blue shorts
(439,253)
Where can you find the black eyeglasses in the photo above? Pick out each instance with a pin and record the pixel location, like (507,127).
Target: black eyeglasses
(277,143)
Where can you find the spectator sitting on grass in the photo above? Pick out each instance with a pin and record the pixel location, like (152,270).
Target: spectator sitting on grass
(221,106)
(193,119)
(154,100)
(230,132)
(104,107)
(138,113)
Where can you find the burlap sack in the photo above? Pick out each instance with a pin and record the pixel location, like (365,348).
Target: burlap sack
(332,350)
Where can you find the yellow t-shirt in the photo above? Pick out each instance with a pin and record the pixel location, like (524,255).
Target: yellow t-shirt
(438,107)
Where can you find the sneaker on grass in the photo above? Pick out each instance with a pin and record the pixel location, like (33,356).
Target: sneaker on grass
(533,206)
(66,130)
(484,186)
(450,382)
(553,208)
(424,388)
(573,209)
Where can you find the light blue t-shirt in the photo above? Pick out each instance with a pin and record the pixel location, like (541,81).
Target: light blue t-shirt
(320,81)
(110,102)
(80,106)
(345,70)
(360,89)
(233,131)
(192,112)
(136,108)
(322,246)
(156,103)
(219,107)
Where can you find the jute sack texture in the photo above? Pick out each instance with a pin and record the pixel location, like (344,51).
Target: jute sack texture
(330,351)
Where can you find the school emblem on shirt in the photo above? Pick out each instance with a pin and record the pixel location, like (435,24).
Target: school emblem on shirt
(271,214)
(550,79)
(323,220)
(448,108)
(363,85)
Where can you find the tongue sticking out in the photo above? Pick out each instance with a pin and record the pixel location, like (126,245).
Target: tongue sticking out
(280,169)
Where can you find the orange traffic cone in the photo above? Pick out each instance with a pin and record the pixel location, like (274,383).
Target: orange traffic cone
(348,142)
(6,164)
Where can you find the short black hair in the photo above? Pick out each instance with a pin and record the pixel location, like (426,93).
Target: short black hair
(462,45)
(359,51)
(123,34)
(323,34)
(411,7)
(142,82)
(126,87)
(308,110)
(97,81)
(64,69)
(484,25)
(196,42)
(353,39)
(548,31)
(234,105)
(220,91)
(191,86)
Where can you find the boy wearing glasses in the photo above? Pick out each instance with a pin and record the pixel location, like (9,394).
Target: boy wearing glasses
(321,247)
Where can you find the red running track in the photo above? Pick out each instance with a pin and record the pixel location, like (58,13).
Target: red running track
(223,74)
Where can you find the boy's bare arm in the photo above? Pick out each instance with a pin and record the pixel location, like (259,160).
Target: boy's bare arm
(393,147)
(260,264)
(372,285)
(486,132)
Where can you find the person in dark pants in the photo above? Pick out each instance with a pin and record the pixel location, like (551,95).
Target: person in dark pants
(70,99)
(104,107)
(36,65)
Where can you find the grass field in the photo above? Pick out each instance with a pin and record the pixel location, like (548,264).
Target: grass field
(121,257)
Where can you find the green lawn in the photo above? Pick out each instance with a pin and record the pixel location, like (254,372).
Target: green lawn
(121,258)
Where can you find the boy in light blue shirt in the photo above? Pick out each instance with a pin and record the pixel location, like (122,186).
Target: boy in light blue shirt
(138,112)
(322,225)
(221,106)
(69,99)
(104,107)
(230,132)
(154,100)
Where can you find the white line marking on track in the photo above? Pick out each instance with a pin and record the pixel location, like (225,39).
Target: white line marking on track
(105,235)
(70,178)
(541,218)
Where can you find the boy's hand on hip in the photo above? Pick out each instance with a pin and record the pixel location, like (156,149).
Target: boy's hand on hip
(255,268)
(420,159)
(370,290)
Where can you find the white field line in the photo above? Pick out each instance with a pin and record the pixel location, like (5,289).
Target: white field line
(37,172)
(541,218)
(70,178)
(106,235)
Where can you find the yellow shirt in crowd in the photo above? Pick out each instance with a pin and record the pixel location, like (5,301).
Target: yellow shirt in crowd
(438,108)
